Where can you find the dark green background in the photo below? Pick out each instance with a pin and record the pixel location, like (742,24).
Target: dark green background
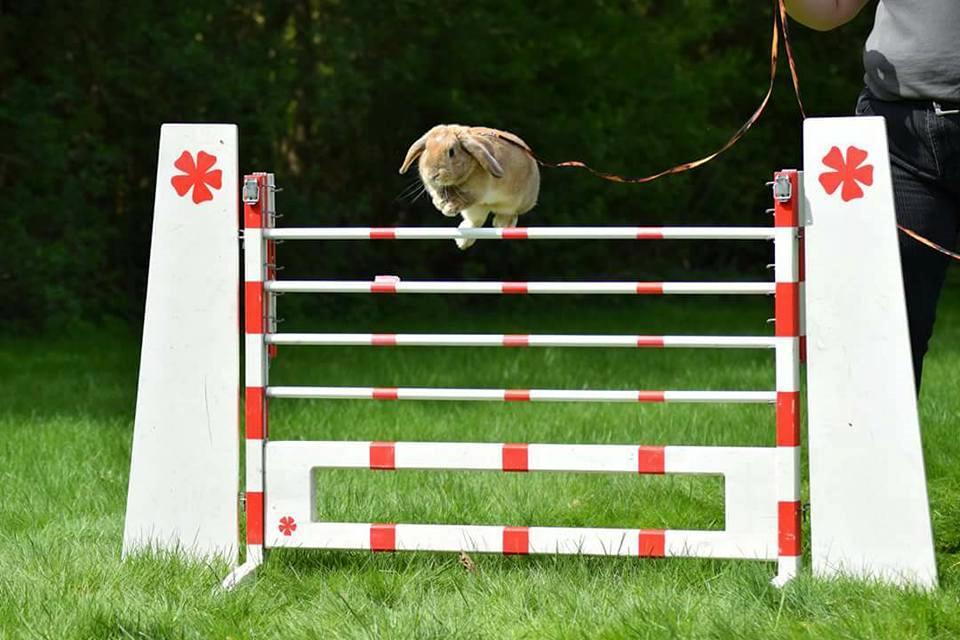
(329,95)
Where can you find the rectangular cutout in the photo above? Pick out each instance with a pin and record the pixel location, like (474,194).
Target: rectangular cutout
(528,499)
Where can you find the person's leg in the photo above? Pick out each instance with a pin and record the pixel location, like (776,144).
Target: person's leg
(930,212)
(924,204)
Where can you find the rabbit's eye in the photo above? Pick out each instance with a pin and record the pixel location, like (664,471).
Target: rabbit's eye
(450,152)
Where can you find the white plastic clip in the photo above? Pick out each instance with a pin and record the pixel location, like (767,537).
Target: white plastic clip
(251,191)
(782,188)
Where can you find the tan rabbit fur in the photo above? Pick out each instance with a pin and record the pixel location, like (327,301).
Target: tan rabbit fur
(473,172)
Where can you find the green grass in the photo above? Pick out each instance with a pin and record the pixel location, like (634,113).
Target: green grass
(66,411)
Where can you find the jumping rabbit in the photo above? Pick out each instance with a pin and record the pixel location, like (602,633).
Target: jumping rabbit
(476,171)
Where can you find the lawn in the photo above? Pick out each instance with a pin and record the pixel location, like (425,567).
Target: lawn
(66,413)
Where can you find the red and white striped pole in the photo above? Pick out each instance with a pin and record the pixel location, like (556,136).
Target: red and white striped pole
(395,285)
(520,395)
(787,332)
(521,233)
(521,340)
(257,200)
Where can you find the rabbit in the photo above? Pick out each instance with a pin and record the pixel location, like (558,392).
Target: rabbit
(476,171)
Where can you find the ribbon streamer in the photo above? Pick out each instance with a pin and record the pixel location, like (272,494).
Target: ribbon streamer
(930,243)
(779,23)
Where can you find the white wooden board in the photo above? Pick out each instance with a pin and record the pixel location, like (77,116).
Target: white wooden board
(184,467)
(869,510)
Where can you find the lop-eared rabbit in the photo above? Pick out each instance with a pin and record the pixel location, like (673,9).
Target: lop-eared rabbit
(476,171)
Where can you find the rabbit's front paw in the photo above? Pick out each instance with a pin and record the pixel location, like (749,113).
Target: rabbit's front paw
(450,209)
(464,243)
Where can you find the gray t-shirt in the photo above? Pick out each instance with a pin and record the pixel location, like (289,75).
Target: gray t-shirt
(913,51)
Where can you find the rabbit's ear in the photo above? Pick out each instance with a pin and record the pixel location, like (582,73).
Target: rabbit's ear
(482,155)
(414,151)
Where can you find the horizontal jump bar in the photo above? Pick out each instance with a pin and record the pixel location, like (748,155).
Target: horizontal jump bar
(532,288)
(519,395)
(649,543)
(518,340)
(521,233)
(491,456)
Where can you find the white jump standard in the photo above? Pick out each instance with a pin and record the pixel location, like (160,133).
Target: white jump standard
(865,456)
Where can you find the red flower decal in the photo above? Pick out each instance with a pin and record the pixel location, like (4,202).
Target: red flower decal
(197,176)
(847,172)
(287,525)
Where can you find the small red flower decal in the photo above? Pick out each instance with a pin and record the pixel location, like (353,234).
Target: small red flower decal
(849,172)
(197,176)
(287,525)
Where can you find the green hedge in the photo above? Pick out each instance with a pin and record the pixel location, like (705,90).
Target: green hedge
(329,95)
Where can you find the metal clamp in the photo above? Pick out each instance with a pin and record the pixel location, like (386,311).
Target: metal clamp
(251,191)
(782,188)
(940,111)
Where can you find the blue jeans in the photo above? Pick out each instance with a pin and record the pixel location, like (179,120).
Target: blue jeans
(925,163)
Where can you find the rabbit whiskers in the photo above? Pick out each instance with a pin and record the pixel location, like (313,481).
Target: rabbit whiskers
(451,193)
(413,191)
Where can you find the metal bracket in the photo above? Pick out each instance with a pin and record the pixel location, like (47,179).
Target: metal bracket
(782,188)
(940,111)
(251,191)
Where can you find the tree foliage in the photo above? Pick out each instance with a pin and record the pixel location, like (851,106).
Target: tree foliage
(329,94)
